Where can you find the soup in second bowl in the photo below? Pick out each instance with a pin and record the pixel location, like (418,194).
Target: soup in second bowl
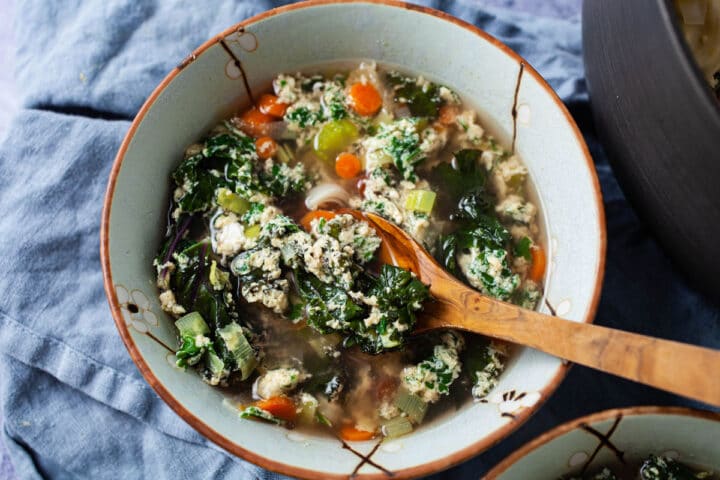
(282,301)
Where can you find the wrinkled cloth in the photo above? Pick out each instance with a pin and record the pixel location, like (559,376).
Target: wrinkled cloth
(73,403)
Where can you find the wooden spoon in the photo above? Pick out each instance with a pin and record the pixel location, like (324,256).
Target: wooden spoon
(676,367)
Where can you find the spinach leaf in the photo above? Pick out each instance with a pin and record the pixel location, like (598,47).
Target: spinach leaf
(422,100)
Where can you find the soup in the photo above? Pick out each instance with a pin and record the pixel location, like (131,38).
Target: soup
(282,301)
(701,26)
(652,468)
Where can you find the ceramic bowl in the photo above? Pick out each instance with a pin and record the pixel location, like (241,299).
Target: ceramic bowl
(660,124)
(615,436)
(212,80)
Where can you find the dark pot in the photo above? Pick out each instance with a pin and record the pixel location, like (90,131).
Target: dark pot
(660,124)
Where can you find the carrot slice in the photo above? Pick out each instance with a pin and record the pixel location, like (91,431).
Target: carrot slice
(447,114)
(265,147)
(352,434)
(254,122)
(271,105)
(280,406)
(347,165)
(365,99)
(307,219)
(537,270)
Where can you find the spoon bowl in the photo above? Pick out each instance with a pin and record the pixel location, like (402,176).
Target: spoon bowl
(676,367)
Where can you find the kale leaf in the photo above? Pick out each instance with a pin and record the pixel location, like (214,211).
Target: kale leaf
(422,100)
(663,468)
(399,295)
(192,287)
(463,175)
(327,308)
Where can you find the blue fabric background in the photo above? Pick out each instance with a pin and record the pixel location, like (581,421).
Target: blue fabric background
(74,405)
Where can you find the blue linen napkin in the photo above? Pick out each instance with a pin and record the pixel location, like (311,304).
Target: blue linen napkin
(73,404)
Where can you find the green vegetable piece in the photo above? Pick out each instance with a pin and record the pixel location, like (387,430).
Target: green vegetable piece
(422,100)
(239,348)
(219,278)
(333,138)
(522,249)
(194,341)
(663,468)
(215,369)
(259,413)
(191,325)
(322,419)
(397,427)
(420,201)
(231,202)
(412,405)
(253,231)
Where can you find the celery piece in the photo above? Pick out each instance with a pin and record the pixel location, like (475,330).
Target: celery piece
(333,138)
(231,202)
(412,405)
(192,325)
(420,201)
(239,348)
(397,427)
(252,231)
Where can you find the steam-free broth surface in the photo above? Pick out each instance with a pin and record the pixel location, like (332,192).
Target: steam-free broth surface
(283,302)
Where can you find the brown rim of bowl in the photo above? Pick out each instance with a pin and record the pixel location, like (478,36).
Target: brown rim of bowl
(268,463)
(566,427)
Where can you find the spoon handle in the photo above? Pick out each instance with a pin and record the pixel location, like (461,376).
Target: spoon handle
(680,368)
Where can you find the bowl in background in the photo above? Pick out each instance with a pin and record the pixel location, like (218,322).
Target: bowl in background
(660,124)
(615,436)
(212,81)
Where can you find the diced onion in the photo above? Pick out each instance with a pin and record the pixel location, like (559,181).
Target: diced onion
(326,193)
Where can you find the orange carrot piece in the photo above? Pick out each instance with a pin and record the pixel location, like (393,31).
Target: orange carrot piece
(447,114)
(271,105)
(365,99)
(537,270)
(352,434)
(254,122)
(280,406)
(265,147)
(347,165)
(312,215)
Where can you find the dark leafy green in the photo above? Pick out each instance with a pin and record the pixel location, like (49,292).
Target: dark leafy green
(191,283)
(522,248)
(324,303)
(460,177)
(663,468)
(328,308)
(423,101)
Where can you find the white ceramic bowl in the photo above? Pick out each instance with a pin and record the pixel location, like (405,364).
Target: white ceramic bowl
(211,81)
(621,435)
